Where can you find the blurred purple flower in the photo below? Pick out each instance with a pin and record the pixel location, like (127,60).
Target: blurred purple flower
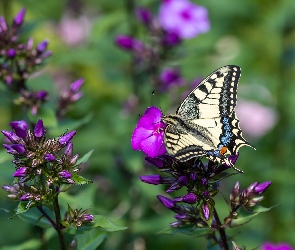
(255,119)
(11,53)
(128,43)
(183,18)
(170,77)
(148,135)
(42,46)
(143,15)
(280,246)
(19,18)
(39,129)
(171,39)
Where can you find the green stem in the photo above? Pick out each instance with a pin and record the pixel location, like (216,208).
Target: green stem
(223,243)
(58,223)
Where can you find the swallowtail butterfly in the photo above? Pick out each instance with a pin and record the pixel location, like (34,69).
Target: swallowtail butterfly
(205,123)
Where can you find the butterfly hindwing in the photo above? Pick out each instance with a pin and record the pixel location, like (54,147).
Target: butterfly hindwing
(205,123)
(215,96)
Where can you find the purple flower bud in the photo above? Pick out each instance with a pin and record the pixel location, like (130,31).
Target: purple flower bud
(11,136)
(10,189)
(182,180)
(19,18)
(143,15)
(21,172)
(204,182)
(30,43)
(65,174)
(181,216)
(74,159)
(39,129)
(69,149)
(63,140)
(76,97)
(166,201)
(46,54)
(128,43)
(206,193)
(236,190)
(3,24)
(190,198)
(171,39)
(76,85)
(20,128)
(170,76)
(41,95)
(14,149)
(49,157)
(193,176)
(26,197)
(41,47)
(206,211)
(156,179)
(159,163)
(11,53)
(250,189)
(8,79)
(260,188)
(87,217)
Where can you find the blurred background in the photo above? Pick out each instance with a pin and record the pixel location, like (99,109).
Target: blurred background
(258,36)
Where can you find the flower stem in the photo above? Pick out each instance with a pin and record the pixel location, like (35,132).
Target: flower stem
(47,216)
(58,227)
(223,243)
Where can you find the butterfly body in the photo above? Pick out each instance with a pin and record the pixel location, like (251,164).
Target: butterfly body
(205,123)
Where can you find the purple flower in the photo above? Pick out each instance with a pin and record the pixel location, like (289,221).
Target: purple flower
(280,246)
(188,198)
(20,128)
(21,172)
(3,24)
(11,136)
(143,15)
(183,18)
(171,39)
(69,149)
(26,197)
(159,163)
(65,174)
(87,217)
(166,201)
(41,47)
(170,76)
(19,18)
(42,94)
(128,43)
(65,139)
(148,135)
(39,129)
(11,53)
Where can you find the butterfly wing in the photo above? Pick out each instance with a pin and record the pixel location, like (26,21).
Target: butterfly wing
(215,96)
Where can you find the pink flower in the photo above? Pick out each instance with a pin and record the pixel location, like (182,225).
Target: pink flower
(183,18)
(280,246)
(255,119)
(148,135)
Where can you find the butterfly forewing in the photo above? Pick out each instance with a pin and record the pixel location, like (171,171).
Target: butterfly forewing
(205,123)
(215,96)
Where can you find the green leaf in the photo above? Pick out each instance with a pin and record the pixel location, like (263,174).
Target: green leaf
(245,216)
(21,208)
(35,217)
(99,222)
(80,180)
(106,224)
(85,157)
(187,230)
(30,244)
(90,240)
(221,176)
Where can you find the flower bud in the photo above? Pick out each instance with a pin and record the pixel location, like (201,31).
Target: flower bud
(156,179)
(65,139)
(39,129)
(11,53)
(166,201)
(20,128)
(159,163)
(206,211)
(65,174)
(49,157)
(3,24)
(21,172)
(76,85)
(190,198)
(183,180)
(143,15)
(11,136)
(19,18)
(41,47)
(260,188)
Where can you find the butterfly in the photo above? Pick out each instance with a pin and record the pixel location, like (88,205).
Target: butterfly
(205,123)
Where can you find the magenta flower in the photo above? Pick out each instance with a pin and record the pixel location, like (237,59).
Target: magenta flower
(183,18)
(280,246)
(148,136)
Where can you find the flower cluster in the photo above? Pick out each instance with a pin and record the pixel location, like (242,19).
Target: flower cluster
(18,60)
(76,217)
(41,164)
(177,20)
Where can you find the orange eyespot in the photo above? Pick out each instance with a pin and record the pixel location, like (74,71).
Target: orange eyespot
(223,150)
